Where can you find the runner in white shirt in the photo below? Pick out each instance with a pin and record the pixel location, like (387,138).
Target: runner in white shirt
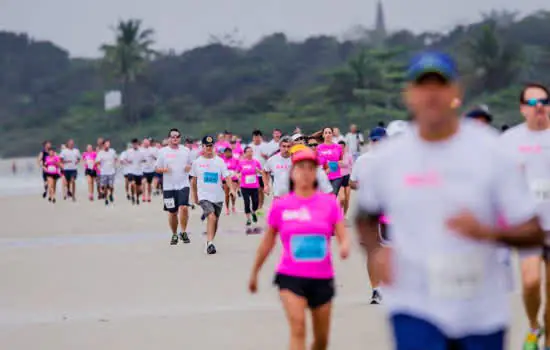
(136,159)
(208,171)
(107,160)
(261,153)
(150,153)
(355,140)
(337,136)
(445,283)
(124,168)
(174,163)
(70,156)
(273,146)
(277,167)
(529,145)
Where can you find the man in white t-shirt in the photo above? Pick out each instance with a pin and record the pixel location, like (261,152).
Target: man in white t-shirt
(273,146)
(135,159)
(277,168)
(107,161)
(207,172)
(123,167)
(150,153)
(443,186)
(70,156)
(174,163)
(261,153)
(355,140)
(529,146)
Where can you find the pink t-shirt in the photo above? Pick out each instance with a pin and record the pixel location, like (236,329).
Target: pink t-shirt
(249,174)
(220,146)
(237,151)
(305,226)
(232,166)
(330,155)
(348,163)
(52,165)
(89,160)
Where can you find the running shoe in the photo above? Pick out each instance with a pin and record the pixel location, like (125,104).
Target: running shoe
(234,210)
(210,248)
(128,197)
(184,237)
(53,201)
(260,212)
(532,339)
(111,198)
(376,298)
(227,211)
(254,218)
(106,201)
(174,240)
(133,200)
(44,194)
(248,222)
(137,201)
(192,206)
(203,217)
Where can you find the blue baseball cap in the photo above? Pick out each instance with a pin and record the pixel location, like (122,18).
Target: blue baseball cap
(377,133)
(432,63)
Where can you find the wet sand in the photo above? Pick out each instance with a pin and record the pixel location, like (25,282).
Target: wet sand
(82,276)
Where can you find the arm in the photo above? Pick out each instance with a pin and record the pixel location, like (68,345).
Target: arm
(194,191)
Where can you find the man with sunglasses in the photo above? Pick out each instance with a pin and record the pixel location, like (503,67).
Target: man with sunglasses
(443,185)
(529,144)
(276,167)
(174,163)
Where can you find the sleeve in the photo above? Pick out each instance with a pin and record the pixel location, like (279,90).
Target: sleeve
(354,172)
(160,160)
(274,216)
(369,194)
(511,193)
(267,166)
(324,182)
(223,167)
(193,169)
(258,165)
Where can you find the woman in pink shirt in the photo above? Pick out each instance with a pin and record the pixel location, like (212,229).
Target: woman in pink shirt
(52,168)
(236,147)
(345,170)
(248,171)
(90,171)
(331,155)
(305,220)
(221,145)
(232,165)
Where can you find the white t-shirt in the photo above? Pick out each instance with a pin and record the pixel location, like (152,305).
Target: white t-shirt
(531,150)
(258,150)
(123,165)
(353,141)
(135,159)
(360,164)
(457,284)
(279,167)
(322,180)
(70,158)
(209,173)
(176,160)
(107,161)
(271,147)
(150,154)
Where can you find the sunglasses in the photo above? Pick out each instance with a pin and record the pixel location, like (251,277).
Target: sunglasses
(535,101)
(208,146)
(313,145)
(175,136)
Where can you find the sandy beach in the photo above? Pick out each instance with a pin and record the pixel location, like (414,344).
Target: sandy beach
(82,276)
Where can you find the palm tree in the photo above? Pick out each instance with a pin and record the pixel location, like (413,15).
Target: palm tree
(127,57)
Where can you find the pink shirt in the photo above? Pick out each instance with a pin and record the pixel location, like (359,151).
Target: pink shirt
(249,174)
(232,166)
(237,151)
(305,227)
(330,155)
(89,160)
(348,163)
(52,165)
(220,146)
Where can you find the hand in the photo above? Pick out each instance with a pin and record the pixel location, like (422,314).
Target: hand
(466,224)
(344,250)
(167,170)
(187,168)
(253,284)
(382,261)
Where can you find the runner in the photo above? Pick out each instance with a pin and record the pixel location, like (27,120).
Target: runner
(208,171)
(99,148)
(106,161)
(157,180)
(124,168)
(46,145)
(273,146)
(345,169)
(337,136)
(331,155)
(260,150)
(52,168)
(305,220)
(150,153)
(529,144)
(174,163)
(221,144)
(232,165)
(248,170)
(135,160)
(277,168)
(355,140)
(90,166)
(445,285)
(70,157)
(236,147)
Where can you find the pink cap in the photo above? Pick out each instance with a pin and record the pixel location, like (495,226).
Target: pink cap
(305,154)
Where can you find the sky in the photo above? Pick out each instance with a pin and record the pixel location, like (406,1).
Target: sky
(81,26)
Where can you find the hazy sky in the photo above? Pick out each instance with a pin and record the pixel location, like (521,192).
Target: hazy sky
(80,26)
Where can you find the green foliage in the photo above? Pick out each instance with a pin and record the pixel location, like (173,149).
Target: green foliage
(45,94)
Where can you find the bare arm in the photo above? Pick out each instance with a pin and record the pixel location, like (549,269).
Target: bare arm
(194,187)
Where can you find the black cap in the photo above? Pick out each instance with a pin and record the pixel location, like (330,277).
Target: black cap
(208,140)
(134,140)
(480,114)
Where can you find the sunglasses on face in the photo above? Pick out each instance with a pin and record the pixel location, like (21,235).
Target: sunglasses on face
(313,145)
(535,101)
(175,136)
(208,146)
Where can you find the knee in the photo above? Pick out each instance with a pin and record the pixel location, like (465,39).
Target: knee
(531,282)
(298,329)
(184,210)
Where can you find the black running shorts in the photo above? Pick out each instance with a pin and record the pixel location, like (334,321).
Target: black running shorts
(149,177)
(317,292)
(173,199)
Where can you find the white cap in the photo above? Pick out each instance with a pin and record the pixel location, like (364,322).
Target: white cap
(396,127)
(296,137)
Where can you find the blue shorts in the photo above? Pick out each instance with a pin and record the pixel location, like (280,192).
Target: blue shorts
(411,333)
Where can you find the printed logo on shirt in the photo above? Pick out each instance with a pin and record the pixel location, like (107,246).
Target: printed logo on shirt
(429,179)
(301,214)
(530,149)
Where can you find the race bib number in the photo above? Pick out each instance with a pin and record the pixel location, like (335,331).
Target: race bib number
(250,179)
(541,190)
(333,166)
(455,276)
(169,203)
(51,168)
(308,248)
(210,178)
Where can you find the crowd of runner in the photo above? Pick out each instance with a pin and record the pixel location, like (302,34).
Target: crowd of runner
(441,200)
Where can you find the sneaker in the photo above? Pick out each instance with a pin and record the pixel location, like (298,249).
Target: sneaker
(137,201)
(203,217)
(44,194)
(532,339)
(184,237)
(234,210)
(227,211)
(376,298)
(210,248)
(254,218)
(248,222)
(174,240)
(106,201)
(260,212)
(192,206)
(111,198)
(128,197)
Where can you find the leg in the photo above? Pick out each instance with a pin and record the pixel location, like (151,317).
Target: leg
(546,292)
(51,187)
(347,195)
(531,279)
(246,198)
(295,310)
(255,195)
(173,222)
(321,326)
(183,213)
(211,226)
(411,333)
(493,341)
(226,190)
(90,180)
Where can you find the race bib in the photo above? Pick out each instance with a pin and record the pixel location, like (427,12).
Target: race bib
(91,164)
(333,166)
(210,178)
(541,189)
(308,248)
(250,179)
(51,168)
(169,203)
(455,276)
